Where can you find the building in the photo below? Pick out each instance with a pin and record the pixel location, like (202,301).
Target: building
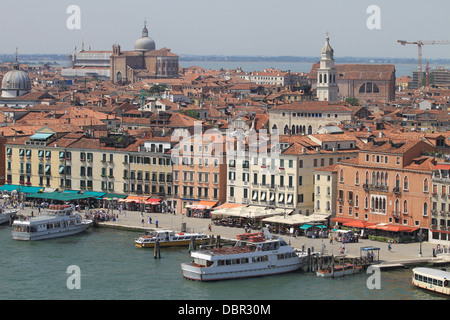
(326,87)
(88,64)
(145,62)
(389,184)
(199,171)
(325,190)
(440,204)
(307,117)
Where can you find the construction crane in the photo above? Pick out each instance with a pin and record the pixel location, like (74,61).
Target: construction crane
(419,44)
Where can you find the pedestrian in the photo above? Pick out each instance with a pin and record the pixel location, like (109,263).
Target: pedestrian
(31,212)
(389,246)
(142,221)
(156,223)
(209,227)
(149,220)
(331,238)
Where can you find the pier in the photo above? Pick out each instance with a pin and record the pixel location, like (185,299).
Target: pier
(402,255)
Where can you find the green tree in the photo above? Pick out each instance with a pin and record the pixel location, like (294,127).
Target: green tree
(352,101)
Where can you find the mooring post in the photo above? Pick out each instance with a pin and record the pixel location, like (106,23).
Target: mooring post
(157,252)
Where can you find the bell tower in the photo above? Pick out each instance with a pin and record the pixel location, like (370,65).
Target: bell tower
(327,89)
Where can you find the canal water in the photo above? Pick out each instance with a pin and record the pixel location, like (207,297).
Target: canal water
(112,268)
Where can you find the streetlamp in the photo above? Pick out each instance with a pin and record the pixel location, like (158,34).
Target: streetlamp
(420,242)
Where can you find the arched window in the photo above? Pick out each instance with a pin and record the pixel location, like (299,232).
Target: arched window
(357,178)
(119,76)
(293,129)
(328,206)
(397,180)
(309,130)
(341,175)
(318,205)
(286,129)
(320,78)
(397,206)
(367,177)
(366,202)
(425,209)
(425,185)
(405,183)
(405,207)
(369,87)
(325,78)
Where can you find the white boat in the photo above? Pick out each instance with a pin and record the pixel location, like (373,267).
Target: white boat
(60,221)
(253,255)
(339,270)
(432,279)
(169,238)
(5,214)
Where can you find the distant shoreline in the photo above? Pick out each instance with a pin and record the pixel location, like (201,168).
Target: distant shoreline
(48,58)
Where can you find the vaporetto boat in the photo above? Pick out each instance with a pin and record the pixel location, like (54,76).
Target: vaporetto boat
(168,238)
(257,254)
(432,280)
(6,214)
(59,221)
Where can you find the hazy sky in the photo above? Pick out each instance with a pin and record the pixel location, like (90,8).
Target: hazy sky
(229,27)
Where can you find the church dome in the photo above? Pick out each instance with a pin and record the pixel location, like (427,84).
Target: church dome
(15,83)
(144,43)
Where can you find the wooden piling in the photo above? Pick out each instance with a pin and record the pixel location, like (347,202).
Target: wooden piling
(157,251)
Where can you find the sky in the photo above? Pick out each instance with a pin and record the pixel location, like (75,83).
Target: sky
(229,27)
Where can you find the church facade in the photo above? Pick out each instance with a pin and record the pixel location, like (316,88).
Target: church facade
(145,62)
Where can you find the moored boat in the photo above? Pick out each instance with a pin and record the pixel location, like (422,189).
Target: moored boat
(59,221)
(6,214)
(168,238)
(339,270)
(432,279)
(252,256)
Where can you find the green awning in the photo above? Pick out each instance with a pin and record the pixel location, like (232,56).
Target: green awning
(64,196)
(19,188)
(41,136)
(305,226)
(113,195)
(9,187)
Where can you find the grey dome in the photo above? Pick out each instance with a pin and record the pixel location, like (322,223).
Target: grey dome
(15,83)
(144,43)
(16,80)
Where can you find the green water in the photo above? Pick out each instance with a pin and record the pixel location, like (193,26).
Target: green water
(112,268)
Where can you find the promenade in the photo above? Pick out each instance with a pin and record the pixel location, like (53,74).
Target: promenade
(400,253)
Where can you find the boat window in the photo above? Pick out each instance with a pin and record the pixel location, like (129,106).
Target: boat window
(430,280)
(283,243)
(220,262)
(435,282)
(228,262)
(439,283)
(244,260)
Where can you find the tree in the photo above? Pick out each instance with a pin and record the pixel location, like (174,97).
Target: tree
(352,101)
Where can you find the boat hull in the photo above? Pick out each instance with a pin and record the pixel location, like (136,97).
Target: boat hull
(193,272)
(337,273)
(50,234)
(183,243)
(5,216)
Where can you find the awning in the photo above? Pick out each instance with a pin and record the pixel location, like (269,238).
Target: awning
(229,206)
(341,219)
(207,203)
(153,201)
(358,224)
(305,226)
(113,196)
(61,196)
(19,188)
(41,136)
(393,228)
(136,199)
(9,187)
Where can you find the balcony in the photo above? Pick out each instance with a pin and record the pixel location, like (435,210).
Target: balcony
(379,187)
(396,190)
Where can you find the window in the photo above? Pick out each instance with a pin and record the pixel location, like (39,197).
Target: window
(425,185)
(405,183)
(357,178)
(425,209)
(341,176)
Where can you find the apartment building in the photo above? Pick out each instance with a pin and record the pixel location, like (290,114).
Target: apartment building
(440,204)
(286,179)
(325,190)
(389,183)
(199,171)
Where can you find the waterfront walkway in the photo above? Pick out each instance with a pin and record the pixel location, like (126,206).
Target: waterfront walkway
(400,254)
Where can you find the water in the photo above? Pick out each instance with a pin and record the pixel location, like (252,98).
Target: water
(401,69)
(113,269)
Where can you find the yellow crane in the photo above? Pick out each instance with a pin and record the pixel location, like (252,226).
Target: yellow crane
(419,44)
